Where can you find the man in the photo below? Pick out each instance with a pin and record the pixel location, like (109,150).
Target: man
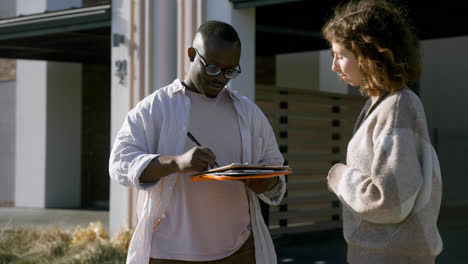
(180,221)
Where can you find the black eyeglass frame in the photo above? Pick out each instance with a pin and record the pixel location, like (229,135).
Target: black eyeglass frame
(219,70)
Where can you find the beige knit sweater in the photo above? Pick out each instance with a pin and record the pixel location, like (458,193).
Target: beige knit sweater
(391,186)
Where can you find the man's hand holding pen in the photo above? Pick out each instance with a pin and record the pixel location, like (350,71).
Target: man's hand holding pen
(197,159)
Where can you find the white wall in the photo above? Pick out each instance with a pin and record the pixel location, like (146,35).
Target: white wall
(63,169)
(243,20)
(7,140)
(310,70)
(31,120)
(55,5)
(298,70)
(329,81)
(444,93)
(28,7)
(7,8)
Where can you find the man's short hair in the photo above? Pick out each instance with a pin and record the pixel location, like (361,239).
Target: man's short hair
(218,29)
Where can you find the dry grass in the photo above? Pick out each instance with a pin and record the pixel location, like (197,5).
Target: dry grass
(82,245)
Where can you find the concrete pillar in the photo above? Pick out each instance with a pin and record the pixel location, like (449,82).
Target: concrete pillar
(48,126)
(153,35)
(31,121)
(120,105)
(31,118)
(164,43)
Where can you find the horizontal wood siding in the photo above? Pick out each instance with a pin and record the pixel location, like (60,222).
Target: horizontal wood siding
(312,130)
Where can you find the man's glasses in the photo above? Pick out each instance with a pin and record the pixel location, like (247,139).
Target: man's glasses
(214,70)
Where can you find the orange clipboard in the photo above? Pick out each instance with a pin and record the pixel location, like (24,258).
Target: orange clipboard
(220,177)
(238,171)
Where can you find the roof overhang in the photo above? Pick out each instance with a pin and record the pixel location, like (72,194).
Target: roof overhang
(80,35)
(284,26)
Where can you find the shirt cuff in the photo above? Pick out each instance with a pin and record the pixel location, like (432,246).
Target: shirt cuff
(137,169)
(275,190)
(275,195)
(334,176)
(148,185)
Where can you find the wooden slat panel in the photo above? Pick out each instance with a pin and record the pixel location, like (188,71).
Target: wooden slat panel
(312,130)
(314,156)
(298,142)
(309,198)
(305,228)
(304,212)
(307,183)
(270,89)
(312,115)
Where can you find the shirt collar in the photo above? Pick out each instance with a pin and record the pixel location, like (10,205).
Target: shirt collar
(178,87)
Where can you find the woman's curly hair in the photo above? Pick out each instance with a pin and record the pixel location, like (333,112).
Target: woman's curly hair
(378,33)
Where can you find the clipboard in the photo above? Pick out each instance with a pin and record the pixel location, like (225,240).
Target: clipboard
(241,171)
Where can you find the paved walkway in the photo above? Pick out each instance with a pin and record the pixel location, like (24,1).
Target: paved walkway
(326,247)
(41,218)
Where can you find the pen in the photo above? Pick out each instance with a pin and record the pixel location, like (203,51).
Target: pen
(196,142)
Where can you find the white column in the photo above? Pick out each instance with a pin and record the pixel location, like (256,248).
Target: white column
(48,126)
(31,118)
(120,105)
(243,20)
(164,55)
(146,35)
(189,18)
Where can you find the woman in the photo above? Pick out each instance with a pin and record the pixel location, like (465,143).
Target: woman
(390,186)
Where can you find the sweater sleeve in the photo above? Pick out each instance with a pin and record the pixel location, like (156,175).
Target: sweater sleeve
(387,193)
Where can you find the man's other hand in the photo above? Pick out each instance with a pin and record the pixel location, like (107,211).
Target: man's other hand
(260,186)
